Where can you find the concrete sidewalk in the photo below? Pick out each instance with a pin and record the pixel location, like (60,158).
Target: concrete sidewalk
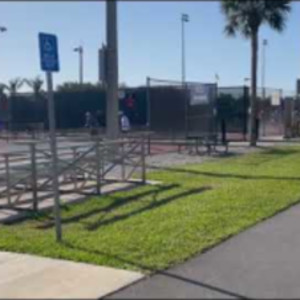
(26,276)
(262,262)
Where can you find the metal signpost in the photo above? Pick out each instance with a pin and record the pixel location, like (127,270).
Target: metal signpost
(49,63)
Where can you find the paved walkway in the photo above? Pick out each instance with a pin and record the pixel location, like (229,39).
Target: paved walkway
(262,262)
(26,276)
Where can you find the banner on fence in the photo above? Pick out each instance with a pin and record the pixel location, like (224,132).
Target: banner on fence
(200,93)
(275,99)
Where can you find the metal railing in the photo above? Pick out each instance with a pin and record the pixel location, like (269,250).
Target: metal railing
(85,168)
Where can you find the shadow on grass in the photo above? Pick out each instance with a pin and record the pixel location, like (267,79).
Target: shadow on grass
(279,151)
(269,154)
(225,175)
(166,273)
(154,204)
(118,202)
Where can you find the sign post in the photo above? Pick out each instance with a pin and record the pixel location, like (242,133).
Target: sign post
(49,64)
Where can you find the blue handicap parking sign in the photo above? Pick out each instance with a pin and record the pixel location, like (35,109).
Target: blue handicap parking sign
(48,52)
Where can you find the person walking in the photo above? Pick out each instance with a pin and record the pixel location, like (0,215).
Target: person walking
(88,120)
(125,123)
(91,123)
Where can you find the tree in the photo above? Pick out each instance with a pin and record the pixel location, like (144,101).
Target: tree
(3,87)
(246,17)
(36,85)
(78,87)
(14,85)
(3,103)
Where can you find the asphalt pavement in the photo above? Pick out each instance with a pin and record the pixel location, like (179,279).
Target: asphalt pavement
(262,262)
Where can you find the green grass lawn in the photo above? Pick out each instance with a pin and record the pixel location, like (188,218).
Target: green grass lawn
(153,227)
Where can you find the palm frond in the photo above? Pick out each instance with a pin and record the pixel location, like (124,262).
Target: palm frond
(246,16)
(276,13)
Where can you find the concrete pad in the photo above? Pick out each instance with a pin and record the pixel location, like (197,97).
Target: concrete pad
(27,276)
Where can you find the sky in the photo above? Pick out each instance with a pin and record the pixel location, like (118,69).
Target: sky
(149,42)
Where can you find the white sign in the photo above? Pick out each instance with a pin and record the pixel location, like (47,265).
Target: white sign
(199,94)
(275,99)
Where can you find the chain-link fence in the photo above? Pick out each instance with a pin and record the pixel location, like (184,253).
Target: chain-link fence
(275,111)
(232,108)
(181,110)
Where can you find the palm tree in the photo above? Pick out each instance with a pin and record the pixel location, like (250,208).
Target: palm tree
(14,85)
(3,87)
(246,17)
(36,85)
(78,87)
(3,96)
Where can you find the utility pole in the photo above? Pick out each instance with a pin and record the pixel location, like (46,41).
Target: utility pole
(80,54)
(102,65)
(112,103)
(184,19)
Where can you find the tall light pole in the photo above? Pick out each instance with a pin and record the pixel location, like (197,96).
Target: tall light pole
(263,68)
(112,103)
(184,19)
(80,54)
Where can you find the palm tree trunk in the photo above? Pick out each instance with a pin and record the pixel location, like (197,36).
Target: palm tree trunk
(253,114)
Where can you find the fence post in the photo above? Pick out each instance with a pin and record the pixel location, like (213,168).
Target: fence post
(143,160)
(288,105)
(187,120)
(148,103)
(257,126)
(246,112)
(149,144)
(34,177)
(7,171)
(74,171)
(123,161)
(98,166)
(223,130)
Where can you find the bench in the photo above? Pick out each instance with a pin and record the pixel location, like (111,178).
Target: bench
(210,142)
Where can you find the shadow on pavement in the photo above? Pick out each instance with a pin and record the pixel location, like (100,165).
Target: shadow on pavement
(166,273)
